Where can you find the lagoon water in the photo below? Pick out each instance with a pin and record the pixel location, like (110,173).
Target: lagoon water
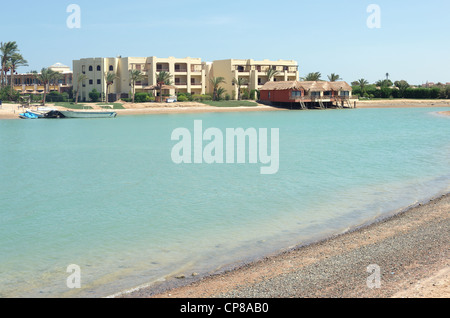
(105,194)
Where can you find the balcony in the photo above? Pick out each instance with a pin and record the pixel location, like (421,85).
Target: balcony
(241,69)
(196,68)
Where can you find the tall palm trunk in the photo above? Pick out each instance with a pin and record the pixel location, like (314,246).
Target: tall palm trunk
(77,94)
(12,78)
(45,94)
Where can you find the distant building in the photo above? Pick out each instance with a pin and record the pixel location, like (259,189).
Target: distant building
(252,72)
(28,82)
(189,75)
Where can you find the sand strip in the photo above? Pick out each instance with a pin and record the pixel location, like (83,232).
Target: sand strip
(403,103)
(11,111)
(411,250)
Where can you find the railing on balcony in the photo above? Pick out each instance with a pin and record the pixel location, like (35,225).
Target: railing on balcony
(196,69)
(180,70)
(315,98)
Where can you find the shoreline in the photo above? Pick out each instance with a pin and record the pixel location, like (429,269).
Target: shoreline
(411,248)
(11,111)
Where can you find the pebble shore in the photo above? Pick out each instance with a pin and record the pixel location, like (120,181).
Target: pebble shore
(411,250)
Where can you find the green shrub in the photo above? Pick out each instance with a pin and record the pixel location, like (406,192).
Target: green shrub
(56,97)
(8,94)
(199,98)
(182,98)
(142,98)
(188,96)
(94,95)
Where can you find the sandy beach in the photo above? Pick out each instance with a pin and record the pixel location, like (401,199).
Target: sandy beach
(410,248)
(403,103)
(12,111)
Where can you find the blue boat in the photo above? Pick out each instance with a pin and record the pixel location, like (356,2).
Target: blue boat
(28,115)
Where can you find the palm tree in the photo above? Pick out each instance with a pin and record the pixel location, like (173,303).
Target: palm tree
(163,78)
(55,78)
(271,73)
(334,77)
(80,78)
(16,60)
(135,76)
(239,82)
(45,77)
(6,52)
(220,92)
(110,77)
(215,82)
(312,77)
(362,83)
(384,83)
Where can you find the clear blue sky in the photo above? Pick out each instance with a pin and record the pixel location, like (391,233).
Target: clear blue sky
(327,36)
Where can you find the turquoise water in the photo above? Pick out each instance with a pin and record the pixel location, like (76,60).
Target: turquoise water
(105,194)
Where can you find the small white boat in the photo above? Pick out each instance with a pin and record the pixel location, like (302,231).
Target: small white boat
(87,114)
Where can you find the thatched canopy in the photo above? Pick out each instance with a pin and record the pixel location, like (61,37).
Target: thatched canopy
(156,87)
(306,86)
(281,86)
(340,86)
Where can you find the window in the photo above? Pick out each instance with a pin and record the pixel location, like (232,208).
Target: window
(83,69)
(91,82)
(296,93)
(99,68)
(99,82)
(111,68)
(345,93)
(91,68)
(269,94)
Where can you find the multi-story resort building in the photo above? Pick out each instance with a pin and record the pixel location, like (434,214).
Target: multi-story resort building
(29,83)
(189,75)
(254,74)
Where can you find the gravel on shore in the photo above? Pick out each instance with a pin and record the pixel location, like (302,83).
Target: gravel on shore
(410,249)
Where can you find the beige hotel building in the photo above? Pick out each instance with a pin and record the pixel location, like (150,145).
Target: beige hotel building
(190,75)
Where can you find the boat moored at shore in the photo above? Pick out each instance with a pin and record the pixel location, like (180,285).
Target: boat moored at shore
(87,114)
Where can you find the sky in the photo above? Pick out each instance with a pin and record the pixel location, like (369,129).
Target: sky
(410,41)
